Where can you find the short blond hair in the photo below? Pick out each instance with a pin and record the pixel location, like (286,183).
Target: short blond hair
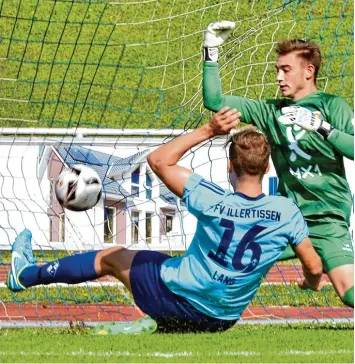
(307,50)
(249,152)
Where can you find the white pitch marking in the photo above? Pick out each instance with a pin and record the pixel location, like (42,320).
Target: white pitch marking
(172,354)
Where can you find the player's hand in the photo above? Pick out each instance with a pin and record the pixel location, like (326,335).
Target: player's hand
(300,116)
(303,284)
(224,121)
(306,119)
(216,33)
(214,36)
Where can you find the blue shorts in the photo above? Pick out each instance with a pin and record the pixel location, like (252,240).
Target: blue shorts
(172,312)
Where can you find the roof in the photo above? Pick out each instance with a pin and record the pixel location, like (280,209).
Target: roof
(109,165)
(166,195)
(98,161)
(128,163)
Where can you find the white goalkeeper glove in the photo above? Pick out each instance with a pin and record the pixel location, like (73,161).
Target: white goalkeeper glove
(306,119)
(214,36)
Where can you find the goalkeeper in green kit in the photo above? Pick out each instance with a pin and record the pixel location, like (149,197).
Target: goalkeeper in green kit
(310,132)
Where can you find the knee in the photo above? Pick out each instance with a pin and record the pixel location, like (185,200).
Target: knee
(103,264)
(107,260)
(348,298)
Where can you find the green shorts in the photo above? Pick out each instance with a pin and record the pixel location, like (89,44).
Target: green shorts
(331,240)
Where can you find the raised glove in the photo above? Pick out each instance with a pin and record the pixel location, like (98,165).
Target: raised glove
(214,36)
(306,119)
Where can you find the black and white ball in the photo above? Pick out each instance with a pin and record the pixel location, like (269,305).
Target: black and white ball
(78,188)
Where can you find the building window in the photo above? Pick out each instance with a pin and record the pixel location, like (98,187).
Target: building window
(134,227)
(272,186)
(51,192)
(148,186)
(62,228)
(168,224)
(135,183)
(109,224)
(148,227)
(40,153)
(50,229)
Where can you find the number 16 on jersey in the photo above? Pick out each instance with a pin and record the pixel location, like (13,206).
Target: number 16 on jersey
(246,243)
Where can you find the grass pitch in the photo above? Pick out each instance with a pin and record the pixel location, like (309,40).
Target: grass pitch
(241,344)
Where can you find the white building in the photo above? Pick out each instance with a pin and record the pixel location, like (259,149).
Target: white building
(135,209)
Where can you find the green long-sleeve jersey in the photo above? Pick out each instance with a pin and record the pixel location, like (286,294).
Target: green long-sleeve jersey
(310,170)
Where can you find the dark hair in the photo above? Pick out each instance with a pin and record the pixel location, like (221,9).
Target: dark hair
(305,49)
(249,152)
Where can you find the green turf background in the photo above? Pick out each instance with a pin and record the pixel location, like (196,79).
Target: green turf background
(138,64)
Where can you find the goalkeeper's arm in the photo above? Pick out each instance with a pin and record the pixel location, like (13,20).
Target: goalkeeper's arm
(214,36)
(342,142)
(213,98)
(253,111)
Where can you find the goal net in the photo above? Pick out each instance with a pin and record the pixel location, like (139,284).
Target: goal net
(103,83)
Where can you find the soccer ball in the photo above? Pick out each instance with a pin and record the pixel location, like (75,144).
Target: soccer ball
(78,188)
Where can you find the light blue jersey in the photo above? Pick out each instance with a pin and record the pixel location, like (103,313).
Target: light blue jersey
(237,240)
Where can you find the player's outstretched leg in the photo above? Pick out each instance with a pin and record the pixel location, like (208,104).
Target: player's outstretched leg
(22,257)
(25,273)
(73,269)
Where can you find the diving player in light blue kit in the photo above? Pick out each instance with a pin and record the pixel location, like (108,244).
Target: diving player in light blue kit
(238,238)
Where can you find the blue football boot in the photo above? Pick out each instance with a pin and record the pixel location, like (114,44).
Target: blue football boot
(22,257)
